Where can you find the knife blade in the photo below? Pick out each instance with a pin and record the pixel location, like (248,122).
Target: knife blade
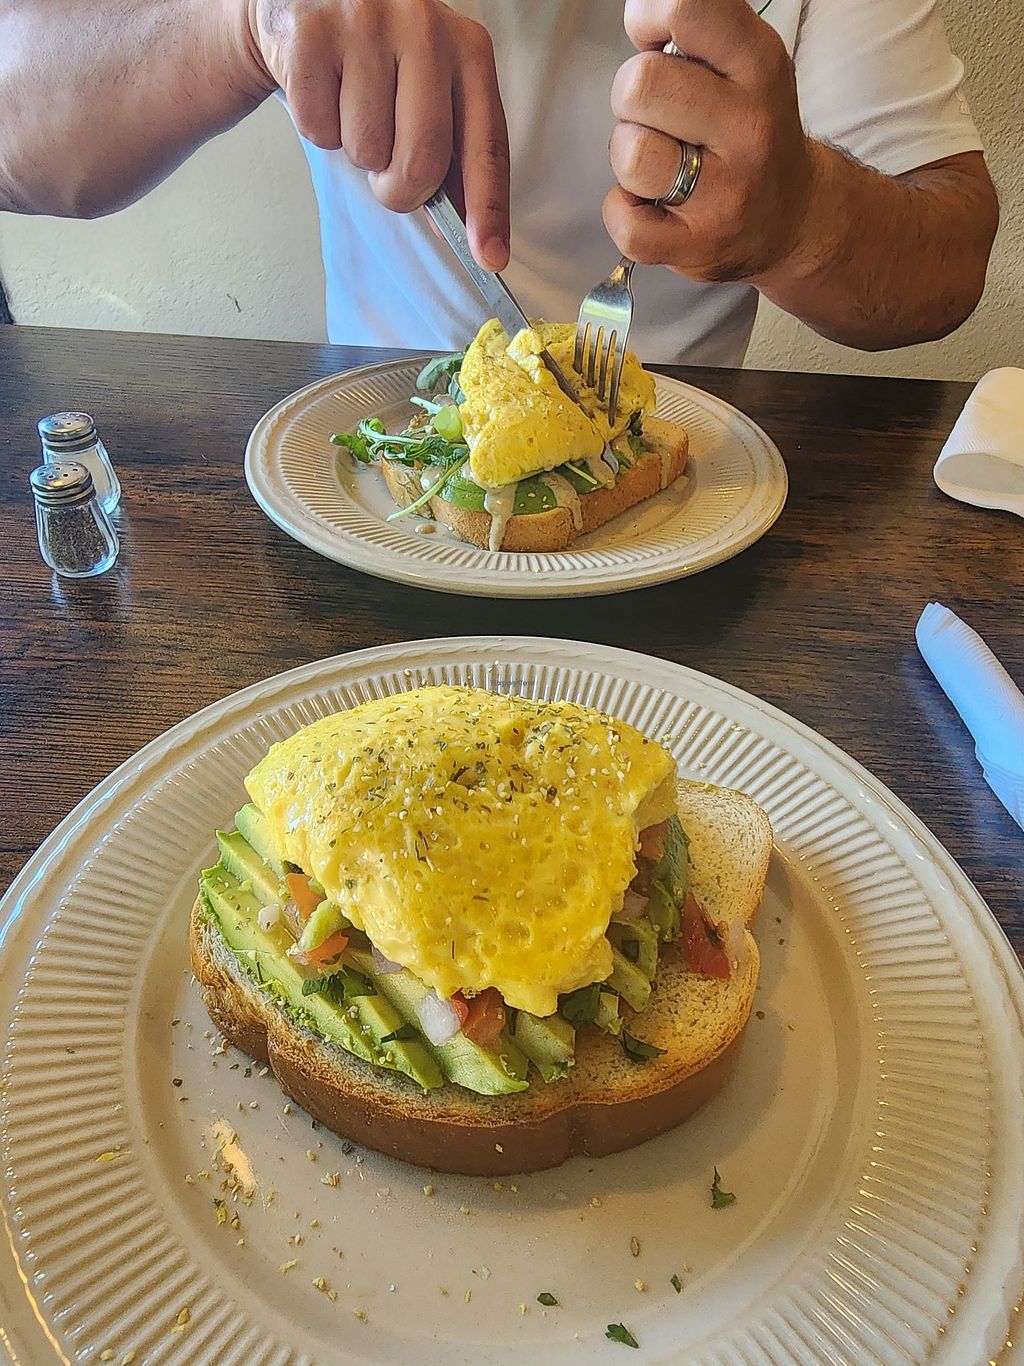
(497,294)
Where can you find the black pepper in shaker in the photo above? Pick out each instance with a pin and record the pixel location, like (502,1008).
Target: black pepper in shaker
(75,535)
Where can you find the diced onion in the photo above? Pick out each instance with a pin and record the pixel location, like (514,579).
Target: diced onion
(633,905)
(437,1018)
(268,917)
(733,939)
(384,965)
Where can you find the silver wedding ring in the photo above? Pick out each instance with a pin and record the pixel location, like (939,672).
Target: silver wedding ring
(689,167)
(689,173)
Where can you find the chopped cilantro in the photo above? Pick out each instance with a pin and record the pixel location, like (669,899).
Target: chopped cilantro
(406,1031)
(719,1197)
(546,1298)
(638,1051)
(618,1332)
(677,1284)
(581,1007)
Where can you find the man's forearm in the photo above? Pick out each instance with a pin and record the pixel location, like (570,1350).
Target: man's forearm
(884,262)
(99,101)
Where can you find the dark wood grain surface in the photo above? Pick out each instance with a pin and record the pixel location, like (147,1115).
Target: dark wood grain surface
(209,596)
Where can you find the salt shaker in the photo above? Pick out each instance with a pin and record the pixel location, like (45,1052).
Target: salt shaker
(73,436)
(75,535)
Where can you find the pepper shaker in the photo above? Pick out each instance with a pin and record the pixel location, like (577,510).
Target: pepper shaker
(73,436)
(76,538)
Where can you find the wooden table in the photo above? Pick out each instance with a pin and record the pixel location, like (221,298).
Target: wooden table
(209,596)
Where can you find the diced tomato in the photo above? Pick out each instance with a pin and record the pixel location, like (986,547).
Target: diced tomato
(652,841)
(701,949)
(460,1005)
(485,1018)
(302,894)
(332,947)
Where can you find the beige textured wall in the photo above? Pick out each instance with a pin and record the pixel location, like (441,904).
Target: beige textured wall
(989,36)
(219,250)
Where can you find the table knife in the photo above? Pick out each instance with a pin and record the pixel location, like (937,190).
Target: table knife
(497,294)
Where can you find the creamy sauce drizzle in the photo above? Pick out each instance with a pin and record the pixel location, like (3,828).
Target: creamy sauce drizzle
(500,503)
(602,468)
(565,496)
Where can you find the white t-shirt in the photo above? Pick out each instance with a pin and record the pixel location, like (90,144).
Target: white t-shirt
(875,77)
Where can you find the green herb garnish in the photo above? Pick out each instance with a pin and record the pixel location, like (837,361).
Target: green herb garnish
(315,984)
(581,1007)
(429,493)
(719,1197)
(546,1298)
(437,373)
(638,1051)
(403,1032)
(618,1332)
(677,1284)
(372,440)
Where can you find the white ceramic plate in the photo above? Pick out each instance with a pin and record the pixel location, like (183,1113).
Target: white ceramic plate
(872,1135)
(734,489)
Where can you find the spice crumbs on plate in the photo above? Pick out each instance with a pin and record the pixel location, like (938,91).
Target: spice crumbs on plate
(360,1314)
(634,1246)
(330,1179)
(287,1266)
(640,1285)
(107,1354)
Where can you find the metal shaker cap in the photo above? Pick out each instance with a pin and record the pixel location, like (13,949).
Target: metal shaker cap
(67,431)
(61,484)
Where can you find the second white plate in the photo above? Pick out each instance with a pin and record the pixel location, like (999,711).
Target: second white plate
(734,489)
(871,1134)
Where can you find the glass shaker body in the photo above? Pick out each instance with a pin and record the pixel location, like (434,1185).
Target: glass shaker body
(73,436)
(76,538)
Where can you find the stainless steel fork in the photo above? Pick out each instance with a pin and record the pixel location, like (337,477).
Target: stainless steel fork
(602,328)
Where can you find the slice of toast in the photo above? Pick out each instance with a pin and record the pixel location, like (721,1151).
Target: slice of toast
(554,530)
(606,1104)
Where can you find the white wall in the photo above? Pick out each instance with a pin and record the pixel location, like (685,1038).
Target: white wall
(229,245)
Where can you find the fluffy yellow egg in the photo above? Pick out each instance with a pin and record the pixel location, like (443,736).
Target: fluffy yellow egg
(479,840)
(516,419)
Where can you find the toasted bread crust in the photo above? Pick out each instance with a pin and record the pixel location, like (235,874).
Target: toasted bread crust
(546,532)
(605,1105)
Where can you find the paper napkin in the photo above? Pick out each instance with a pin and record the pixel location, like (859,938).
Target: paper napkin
(982,461)
(988,700)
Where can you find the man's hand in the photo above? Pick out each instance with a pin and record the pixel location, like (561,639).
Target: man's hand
(408,88)
(863,258)
(734,95)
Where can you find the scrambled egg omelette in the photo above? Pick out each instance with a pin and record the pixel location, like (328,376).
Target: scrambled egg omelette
(516,419)
(479,840)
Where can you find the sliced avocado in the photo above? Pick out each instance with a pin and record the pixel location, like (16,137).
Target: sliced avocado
(254,828)
(244,864)
(549,1042)
(326,920)
(359,1024)
(630,983)
(531,495)
(637,940)
(489,1072)
(608,1017)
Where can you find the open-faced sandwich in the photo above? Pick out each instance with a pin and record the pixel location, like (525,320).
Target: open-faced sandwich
(483,933)
(506,460)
